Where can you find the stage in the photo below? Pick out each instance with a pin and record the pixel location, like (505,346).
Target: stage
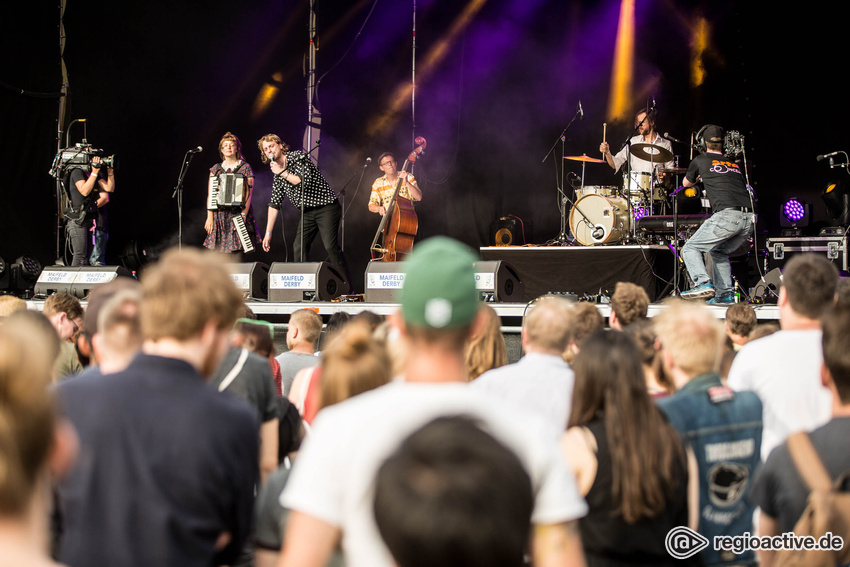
(587,270)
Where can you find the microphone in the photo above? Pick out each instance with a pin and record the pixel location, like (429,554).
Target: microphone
(368,161)
(580,111)
(197,150)
(597,233)
(653,101)
(824,156)
(669,137)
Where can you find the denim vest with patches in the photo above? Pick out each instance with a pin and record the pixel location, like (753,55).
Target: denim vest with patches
(723,428)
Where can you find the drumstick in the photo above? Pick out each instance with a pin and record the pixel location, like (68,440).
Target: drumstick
(604,131)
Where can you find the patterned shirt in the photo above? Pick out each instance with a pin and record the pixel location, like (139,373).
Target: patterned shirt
(313,186)
(382,191)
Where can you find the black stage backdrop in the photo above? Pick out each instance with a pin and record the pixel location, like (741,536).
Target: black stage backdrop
(497,81)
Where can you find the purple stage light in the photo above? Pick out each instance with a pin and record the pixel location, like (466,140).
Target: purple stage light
(794,210)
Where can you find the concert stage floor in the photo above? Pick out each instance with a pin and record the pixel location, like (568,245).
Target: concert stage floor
(587,270)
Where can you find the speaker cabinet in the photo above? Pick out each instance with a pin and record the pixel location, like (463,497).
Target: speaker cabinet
(78,281)
(384,280)
(506,231)
(767,290)
(305,281)
(251,278)
(498,281)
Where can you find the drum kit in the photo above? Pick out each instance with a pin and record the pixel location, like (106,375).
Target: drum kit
(607,214)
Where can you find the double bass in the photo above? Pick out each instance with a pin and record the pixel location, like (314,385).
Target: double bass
(399,225)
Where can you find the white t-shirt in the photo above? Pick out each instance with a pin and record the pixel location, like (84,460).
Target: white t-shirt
(541,384)
(783,369)
(333,477)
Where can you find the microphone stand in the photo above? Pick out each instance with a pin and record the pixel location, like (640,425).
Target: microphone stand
(288,164)
(178,193)
(562,239)
(342,194)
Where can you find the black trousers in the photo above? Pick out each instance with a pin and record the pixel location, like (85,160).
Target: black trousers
(323,220)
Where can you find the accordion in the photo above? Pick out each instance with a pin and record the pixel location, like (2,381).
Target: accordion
(226,190)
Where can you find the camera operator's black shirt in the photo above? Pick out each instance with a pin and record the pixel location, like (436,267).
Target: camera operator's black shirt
(724,183)
(77,198)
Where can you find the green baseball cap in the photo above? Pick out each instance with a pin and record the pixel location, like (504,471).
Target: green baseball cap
(439,285)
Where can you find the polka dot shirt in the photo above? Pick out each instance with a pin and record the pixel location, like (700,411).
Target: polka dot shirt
(315,190)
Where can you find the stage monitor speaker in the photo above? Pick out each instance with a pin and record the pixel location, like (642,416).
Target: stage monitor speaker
(498,281)
(305,281)
(76,280)
(767,290)
(383,281)
(251,278)
(506,231)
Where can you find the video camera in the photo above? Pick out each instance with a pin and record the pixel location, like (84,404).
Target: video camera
(80,155)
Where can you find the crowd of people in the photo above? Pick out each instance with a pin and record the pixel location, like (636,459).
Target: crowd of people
(158,426)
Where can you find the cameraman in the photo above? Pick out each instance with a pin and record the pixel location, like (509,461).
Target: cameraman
(84,189)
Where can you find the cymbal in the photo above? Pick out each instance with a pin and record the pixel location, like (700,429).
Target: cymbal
(651,152)
(674,170)
(585,159)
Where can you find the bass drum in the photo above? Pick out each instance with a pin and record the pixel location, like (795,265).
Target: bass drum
(599,220)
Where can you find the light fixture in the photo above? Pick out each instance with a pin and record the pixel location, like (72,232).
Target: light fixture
(836,197)
(794,215)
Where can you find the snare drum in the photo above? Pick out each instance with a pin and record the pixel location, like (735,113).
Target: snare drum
(596,219)
(604,190)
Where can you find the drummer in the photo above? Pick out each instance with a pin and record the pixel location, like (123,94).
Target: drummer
(645,126)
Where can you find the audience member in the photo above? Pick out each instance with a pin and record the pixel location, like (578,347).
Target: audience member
(586,320)
(629,303)
(779,489)
(434,501)
(721,428)
(740,321)
(118,332)
(762,330)
(95,301)
(842,291)
(541,383)
(335,322)
(35,444)
(784,368)
(302,332)
(37,325)
(169,464)
(248,376)
(330,490)
(10,304)
(352,363)
(486,349)
(658,383)
(66,315)
(629,462)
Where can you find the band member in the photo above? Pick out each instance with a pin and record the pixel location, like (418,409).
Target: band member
(84,186)
(297,177)
(384,187)
(221,232)
(728,226)
(645,126)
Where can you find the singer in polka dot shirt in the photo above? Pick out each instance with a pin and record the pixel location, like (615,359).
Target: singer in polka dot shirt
(299,179)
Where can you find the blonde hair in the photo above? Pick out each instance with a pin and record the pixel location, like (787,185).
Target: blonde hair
(549,324)
(62,302)
(27,414)
(486,350)
(183,291)
(9,304)
(692,336)
(270,138)
(309,323)
(353,363)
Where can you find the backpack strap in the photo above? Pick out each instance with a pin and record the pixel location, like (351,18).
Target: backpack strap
(808,463)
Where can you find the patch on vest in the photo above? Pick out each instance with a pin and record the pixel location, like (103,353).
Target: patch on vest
(719,394)
(727,483)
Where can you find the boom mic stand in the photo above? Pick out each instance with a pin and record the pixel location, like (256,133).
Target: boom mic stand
(562,239)
(178,193)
